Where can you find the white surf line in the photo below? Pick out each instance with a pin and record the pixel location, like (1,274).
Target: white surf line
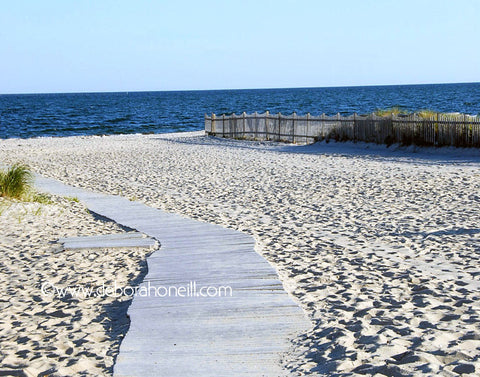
(191,332)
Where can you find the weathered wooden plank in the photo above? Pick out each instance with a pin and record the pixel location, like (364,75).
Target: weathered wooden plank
(106,242)
(193,365)
(103,237)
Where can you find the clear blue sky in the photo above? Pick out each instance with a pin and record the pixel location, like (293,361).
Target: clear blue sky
(115,45)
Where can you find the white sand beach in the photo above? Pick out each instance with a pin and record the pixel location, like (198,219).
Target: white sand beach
(380,247)
(42,333)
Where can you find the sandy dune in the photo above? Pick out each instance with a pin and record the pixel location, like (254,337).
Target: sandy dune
(380,247)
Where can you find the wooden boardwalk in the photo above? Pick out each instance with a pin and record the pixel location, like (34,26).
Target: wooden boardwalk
(244,334)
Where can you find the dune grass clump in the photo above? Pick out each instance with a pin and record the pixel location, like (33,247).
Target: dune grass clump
(39,197)
(390,111)
(16,182)
(427,114)
(423,113)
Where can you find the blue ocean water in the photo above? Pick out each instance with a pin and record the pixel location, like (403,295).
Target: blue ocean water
(32,115)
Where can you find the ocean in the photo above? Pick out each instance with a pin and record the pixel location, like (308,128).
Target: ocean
(34,115)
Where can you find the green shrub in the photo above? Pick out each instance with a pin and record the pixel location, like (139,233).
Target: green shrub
(16,182)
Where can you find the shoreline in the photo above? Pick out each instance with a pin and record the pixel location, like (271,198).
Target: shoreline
(344,225)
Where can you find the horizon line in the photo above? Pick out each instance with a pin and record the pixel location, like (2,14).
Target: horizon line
(235,89)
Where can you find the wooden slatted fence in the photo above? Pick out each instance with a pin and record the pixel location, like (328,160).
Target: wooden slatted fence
(458,130)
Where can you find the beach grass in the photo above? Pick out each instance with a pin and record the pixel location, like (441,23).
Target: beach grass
(390,111)
(39,197)
(16,182)
(427,114)
(423,113)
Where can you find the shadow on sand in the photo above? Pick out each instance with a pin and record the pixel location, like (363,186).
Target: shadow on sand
(406,154)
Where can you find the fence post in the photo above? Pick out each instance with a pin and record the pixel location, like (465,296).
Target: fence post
(306,131)
(323,125)
(340,127)
(232,126)
(213,124)
(223,125)
(244,115)
(294,115)
(266,124)
(255,120)
(390,128)
(235,119)
(354,127)
(279,126)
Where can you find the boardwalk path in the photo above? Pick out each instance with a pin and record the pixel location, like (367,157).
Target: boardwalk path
(242,335)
